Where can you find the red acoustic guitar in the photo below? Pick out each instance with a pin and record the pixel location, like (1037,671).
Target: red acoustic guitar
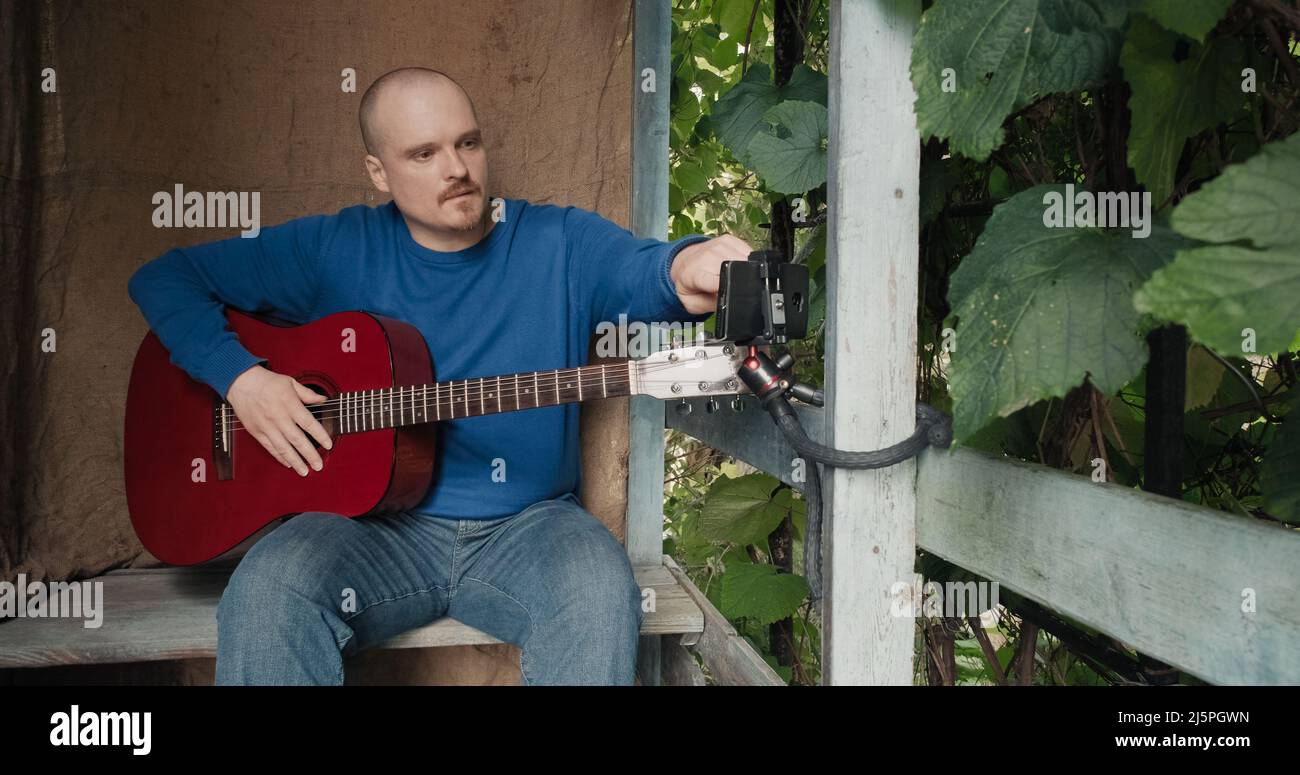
(197,484)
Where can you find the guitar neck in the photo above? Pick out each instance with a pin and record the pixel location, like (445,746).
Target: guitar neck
(396,407)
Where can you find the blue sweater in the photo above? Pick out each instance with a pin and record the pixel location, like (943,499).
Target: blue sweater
(525,298)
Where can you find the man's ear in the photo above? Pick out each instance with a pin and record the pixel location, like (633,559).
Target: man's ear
(375,169)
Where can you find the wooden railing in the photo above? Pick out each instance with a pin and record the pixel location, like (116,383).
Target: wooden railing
(1212,593)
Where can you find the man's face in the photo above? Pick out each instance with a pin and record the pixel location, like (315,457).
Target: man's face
(431,150)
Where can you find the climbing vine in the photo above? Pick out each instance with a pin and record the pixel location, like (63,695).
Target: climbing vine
(1109,200)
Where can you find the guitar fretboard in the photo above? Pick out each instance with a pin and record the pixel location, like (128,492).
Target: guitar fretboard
(395,407)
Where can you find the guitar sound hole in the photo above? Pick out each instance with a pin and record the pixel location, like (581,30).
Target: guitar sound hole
(328,418)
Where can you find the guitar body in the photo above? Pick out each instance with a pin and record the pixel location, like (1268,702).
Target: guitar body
(194,492)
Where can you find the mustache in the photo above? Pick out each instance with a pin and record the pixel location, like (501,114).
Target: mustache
(458,192)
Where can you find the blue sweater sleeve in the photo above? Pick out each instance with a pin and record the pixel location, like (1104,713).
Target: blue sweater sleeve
(618,273)
(183,292)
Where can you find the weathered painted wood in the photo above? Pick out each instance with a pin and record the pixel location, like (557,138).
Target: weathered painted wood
(651,39)
(728,656)
(679,667)
(749,435)
(651,49)
(170,613)
(1167,577)
(1155,561)
(871,276)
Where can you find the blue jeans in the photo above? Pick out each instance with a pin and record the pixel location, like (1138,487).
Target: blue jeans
(551,579)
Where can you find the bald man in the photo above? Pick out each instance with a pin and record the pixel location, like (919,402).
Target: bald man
(496,285)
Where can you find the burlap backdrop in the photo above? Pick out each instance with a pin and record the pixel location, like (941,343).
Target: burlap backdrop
(246,96)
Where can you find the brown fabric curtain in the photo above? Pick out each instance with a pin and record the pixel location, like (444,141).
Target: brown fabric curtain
(245,96)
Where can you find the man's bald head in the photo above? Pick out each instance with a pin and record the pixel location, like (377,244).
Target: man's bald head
(372,126)
(425,147)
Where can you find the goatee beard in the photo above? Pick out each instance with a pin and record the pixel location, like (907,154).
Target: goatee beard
(471,224)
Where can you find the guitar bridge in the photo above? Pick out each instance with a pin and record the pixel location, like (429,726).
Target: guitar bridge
(223,440)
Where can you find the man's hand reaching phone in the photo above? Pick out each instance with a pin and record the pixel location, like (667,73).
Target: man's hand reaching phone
(696,268)
(273,409)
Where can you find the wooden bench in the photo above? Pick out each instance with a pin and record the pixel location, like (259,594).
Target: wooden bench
(160,614)
(170,613)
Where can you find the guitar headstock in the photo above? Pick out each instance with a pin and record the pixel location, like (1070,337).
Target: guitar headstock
(689,371)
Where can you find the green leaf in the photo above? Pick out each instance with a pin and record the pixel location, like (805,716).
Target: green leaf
(1173,100)
(1040,308)
(1218,291)
(1204,374)
(695,548)
(1014,435)
(738,114)
(733,17)
(743,510)
(686,106)
(690,178)
(707,158)
(1280,475)
(812,253)
(759,592)
(1258,200)
(1193,18)
(1003,55)
(805,84)
(726,54)
(703,40)
(1000,184)
(796,163)
(1232,298)
(799,518)
(710,83)
(1128,435)
(681,226)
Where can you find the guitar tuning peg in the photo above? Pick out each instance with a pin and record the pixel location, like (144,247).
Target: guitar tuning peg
(737,405)
(684,407)
(711,405)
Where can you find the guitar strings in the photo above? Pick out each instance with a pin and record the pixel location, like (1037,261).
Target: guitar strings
(421,391)
(361,405)
(366,404)
(362,409)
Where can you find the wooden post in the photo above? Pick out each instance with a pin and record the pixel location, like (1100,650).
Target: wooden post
(870,339)
(651,48)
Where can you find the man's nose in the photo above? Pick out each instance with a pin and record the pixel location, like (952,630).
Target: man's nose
(455,166)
